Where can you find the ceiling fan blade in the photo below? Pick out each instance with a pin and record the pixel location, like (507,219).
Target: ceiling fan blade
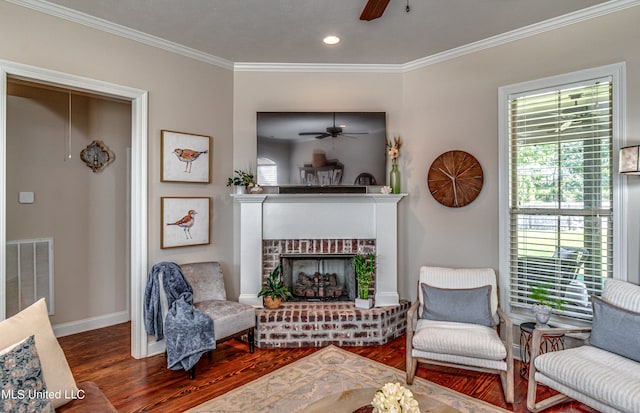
(373,9)
(322,136)
(310,133)
(351,135)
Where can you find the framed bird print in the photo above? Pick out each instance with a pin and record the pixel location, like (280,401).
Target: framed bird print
(184,221)
(185,157)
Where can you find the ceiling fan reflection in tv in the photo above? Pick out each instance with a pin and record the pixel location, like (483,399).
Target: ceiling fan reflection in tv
(332,131)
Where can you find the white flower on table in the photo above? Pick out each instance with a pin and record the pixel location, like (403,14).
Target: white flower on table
(394,398)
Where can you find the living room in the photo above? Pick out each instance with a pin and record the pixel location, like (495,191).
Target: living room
(437,104)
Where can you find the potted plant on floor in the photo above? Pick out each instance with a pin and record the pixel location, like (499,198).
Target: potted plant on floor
(242,180)
(364,266)
(545,303)
(273,290)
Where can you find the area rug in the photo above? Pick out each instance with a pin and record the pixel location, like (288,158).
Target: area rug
(331,372)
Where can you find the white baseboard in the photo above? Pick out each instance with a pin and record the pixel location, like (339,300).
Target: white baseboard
(155,347)
(516,352)
(73,327)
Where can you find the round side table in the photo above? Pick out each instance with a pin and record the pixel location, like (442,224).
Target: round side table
(549,342)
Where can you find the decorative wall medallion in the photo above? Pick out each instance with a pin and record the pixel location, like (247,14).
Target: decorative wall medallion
(97,155)
(455,178)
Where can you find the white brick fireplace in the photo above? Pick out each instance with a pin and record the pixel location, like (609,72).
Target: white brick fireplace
(319,216)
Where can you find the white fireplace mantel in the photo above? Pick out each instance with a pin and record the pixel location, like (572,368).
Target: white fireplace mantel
(319,216)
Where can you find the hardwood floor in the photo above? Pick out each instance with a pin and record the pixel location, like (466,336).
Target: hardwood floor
(103,356)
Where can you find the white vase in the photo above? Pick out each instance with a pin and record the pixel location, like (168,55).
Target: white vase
(364,304)
(241,189)
(542,312)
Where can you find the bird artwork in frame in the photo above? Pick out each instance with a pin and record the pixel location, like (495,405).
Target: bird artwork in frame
(185,157)
(184,221)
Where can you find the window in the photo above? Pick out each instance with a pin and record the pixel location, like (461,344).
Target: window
(267,172)
(560,215)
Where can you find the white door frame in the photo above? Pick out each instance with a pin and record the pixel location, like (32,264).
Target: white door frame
(139,130)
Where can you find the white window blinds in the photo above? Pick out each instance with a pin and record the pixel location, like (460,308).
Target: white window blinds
(267,172)
(560,194)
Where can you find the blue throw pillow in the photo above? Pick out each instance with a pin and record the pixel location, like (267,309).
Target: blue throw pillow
(23,388)
(615,329)
(468,305)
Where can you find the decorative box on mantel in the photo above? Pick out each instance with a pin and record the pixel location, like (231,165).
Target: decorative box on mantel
(319,216)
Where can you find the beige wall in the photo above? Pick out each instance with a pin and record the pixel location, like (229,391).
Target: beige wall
(84,212)
(184,95)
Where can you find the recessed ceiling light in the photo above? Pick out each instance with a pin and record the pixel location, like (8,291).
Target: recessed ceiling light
(331,40)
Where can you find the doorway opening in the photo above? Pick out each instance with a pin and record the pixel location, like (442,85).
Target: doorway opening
(137,203)
(84,270)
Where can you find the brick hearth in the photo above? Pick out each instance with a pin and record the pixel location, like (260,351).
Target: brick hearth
(311,324)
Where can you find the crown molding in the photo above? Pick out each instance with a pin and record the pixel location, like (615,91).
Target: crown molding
(316,67)
(109,27)
(599,10)
(42,6)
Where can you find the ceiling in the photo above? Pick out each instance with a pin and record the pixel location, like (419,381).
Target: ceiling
(291,31)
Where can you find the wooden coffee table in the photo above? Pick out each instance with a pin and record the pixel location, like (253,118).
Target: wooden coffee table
(350,400)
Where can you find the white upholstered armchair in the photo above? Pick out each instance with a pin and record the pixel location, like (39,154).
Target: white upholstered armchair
(453,323)
(604,374)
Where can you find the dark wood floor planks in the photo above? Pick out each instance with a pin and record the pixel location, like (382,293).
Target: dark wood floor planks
(146,385)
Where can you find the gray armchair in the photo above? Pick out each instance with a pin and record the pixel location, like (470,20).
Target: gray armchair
(231,319)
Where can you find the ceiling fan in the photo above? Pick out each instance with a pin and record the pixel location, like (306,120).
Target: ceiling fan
(332,131)
(373,9)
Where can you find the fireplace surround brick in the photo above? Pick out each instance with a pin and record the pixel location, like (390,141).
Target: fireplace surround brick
(317,324)
(272,249)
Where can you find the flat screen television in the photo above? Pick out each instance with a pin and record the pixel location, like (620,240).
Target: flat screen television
(321,149)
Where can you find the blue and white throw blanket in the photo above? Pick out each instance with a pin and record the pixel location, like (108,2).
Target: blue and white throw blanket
(189,331)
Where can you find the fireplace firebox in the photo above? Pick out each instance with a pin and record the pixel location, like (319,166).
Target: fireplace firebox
(319,277)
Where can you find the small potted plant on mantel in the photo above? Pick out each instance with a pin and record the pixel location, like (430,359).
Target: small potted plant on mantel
(242,180)
(544,304)
(273,290)
(364,266)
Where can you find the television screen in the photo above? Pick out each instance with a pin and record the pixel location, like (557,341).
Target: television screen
(321,148)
